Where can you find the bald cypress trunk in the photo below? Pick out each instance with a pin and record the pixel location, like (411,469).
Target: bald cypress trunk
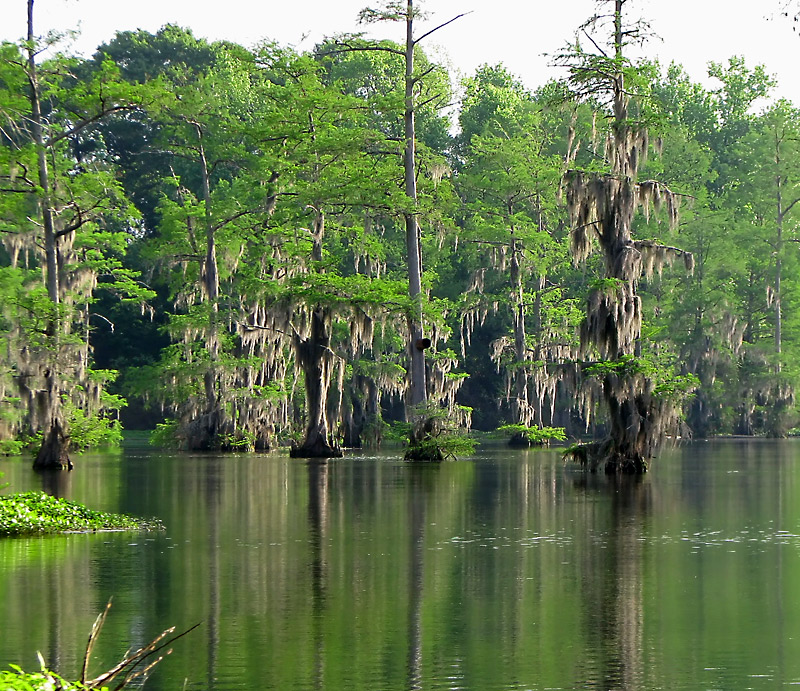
(205,431)
(602,207)
(315,358)
(421,425)
(53,452)
(417,394)
(520,404)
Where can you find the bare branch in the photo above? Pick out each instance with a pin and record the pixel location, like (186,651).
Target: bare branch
(594,43)
(788,208)
(105,319)
(441,26)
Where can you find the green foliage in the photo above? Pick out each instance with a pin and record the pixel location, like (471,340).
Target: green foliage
(17,680)
(242,440)
(36,512)
(666,382)
(12,447)
(676,386)
(537,436)
(278,173)
(165,435)
(607,284)
(625,366)
(91,431)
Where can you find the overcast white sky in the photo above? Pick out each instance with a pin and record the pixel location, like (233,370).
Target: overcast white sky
(514,32)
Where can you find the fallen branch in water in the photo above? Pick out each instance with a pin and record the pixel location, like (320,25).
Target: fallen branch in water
(134,664)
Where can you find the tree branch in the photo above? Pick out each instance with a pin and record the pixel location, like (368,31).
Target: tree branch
(347,48)
(788,208)
(86,122)
(441,26)
(422,76)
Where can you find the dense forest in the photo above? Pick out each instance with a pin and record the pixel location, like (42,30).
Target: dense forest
(256,247)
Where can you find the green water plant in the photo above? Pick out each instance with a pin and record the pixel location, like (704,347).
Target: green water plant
(15,679)
(28,513)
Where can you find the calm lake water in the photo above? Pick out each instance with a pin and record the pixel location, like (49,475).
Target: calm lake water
(504,571)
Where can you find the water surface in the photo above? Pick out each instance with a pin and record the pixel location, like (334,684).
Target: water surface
(505,571)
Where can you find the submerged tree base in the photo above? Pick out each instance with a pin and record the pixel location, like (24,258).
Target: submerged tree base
(596,454)
(317,449)
(212,431)
(524,437)
(53,454)
(521,441)
(424,451)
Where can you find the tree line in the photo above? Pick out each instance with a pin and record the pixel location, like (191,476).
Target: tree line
(272,247)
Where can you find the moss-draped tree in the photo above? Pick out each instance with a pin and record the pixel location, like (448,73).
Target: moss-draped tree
(61,212)
(642,404)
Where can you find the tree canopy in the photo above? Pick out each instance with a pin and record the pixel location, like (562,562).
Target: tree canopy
(274,248)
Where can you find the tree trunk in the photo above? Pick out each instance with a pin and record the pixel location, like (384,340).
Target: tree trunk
(314,357)
(210,278)
(417,390)
(778,265)
(421,425)
(55,444)
(639,418)
(354,418)
(520,404)
(52,454)
(206,431)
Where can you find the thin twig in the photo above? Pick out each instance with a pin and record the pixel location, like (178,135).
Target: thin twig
(93,634)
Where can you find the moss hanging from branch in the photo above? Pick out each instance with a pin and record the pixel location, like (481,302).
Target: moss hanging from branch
(602,205)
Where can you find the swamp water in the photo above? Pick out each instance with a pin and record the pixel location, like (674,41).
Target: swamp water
(504,571)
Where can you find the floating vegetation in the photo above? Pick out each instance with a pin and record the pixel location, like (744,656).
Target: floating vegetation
(31,513)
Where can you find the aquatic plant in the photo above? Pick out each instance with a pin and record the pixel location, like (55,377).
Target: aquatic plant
(29,513)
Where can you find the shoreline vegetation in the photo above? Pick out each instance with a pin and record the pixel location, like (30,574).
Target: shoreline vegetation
(37,513)
(16,679)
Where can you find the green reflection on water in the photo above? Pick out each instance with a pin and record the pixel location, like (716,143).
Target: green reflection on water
(504,571)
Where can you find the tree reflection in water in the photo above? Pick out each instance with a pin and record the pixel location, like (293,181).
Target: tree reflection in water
(612,583)
(317,529)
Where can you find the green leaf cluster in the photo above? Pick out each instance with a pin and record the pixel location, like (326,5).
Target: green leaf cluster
(16,679)
(36,513)
(537,436)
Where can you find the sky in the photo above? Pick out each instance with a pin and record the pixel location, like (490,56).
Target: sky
(518,33)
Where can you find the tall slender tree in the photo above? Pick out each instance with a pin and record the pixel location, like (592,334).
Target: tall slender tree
(641,410)
(58,211)
(422,423)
